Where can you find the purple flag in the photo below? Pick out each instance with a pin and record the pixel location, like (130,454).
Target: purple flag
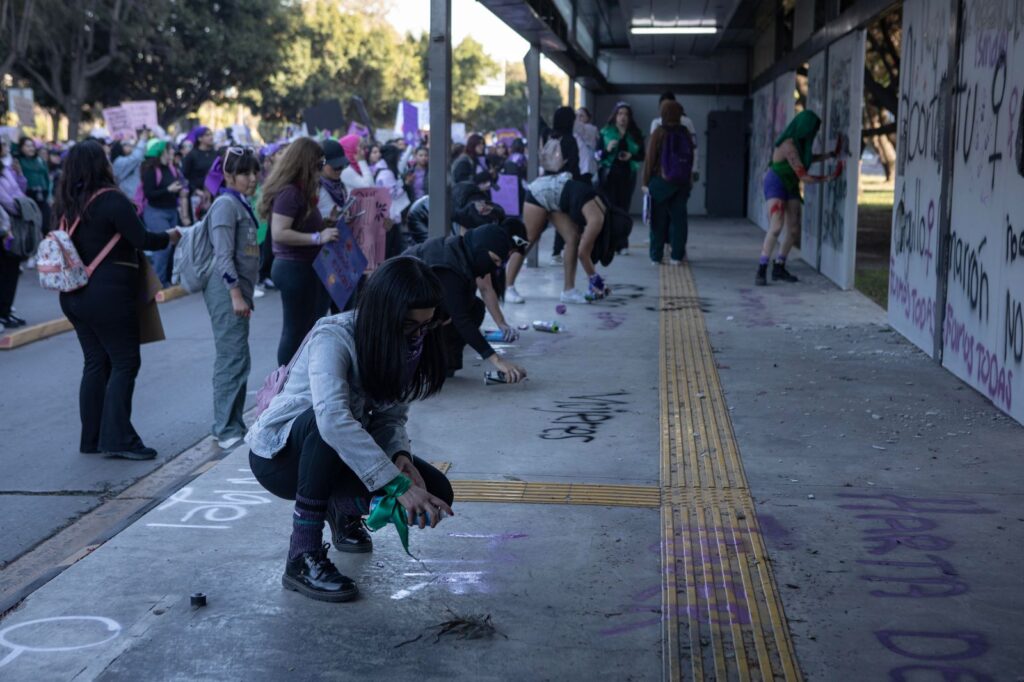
(410,123)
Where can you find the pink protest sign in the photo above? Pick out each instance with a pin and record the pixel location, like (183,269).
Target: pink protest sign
(370,220)
(506,194)
(118,124)
(141,114)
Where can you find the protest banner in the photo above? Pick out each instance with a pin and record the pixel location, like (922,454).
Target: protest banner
(505,193)
(118,125)
(141,114)
(370,219)
(339,265)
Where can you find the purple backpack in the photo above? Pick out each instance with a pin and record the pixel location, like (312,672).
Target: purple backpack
(677,156)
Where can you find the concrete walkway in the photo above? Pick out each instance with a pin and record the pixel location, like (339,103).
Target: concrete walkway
(766,483)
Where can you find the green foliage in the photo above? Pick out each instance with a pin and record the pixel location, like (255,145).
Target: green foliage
(510,111)
(330,53)
(471,67)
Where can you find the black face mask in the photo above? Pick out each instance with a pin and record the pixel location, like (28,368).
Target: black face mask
(479,242)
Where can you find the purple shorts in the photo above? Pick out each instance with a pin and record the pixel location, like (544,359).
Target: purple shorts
(774,188)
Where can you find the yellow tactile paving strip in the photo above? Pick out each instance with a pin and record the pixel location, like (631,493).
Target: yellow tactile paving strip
(530,492)
(723,615)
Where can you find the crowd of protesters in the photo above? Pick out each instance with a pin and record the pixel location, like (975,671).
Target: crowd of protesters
(269,211)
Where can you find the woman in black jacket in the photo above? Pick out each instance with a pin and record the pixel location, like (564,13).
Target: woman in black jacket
(105,311)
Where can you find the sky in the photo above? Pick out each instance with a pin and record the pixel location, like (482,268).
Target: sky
(469,17)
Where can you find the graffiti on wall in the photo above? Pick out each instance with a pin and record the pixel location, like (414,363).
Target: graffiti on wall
(983,326)
(810,220)
(772,109)
(913,282)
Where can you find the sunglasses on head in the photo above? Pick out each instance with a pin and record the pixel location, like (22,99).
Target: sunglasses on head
(241,149)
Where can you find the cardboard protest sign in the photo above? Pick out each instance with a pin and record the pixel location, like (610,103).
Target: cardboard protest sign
(118,124)
(371,216)
(324,115)
(339,265)
(505,193)
(22,103)
(141,114)
(355,128)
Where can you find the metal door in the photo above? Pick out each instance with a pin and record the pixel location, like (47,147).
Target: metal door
(726,168)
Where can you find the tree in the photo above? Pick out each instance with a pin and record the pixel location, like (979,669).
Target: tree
(200,51)
(331,53)
(510,111)
(471,67)
(15,30)
(882,87)
(76,41)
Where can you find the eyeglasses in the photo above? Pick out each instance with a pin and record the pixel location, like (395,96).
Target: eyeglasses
(420,329)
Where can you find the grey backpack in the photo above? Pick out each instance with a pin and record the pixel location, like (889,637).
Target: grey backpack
(26,228)
(193,256)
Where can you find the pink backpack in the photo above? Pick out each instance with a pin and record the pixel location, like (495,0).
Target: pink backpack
(57,261)
(275,381)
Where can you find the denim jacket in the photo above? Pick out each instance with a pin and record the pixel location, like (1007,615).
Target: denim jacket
(325,376)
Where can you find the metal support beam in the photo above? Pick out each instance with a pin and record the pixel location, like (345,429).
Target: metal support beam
(439,62)
(572,93)
(532,63)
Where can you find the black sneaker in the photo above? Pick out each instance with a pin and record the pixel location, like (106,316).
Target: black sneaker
(347,533)
(762,276)
(138,453)
(779,271)
(12,322)
(313,574)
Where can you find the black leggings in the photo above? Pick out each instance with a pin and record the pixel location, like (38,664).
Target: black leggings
(303,301)
(10,271)
(310,467)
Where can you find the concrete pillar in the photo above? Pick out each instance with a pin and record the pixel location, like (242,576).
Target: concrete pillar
(533,125)
(572,93)
(439,60)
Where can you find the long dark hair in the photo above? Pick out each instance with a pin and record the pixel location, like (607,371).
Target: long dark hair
(391,155)
(632,130)
(86,171)
(474,141)
(298,166)
(398,286)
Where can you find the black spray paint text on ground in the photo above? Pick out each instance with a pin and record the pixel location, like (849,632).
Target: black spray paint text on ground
(581,415)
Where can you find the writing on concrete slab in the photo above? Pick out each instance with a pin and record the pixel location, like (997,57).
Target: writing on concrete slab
(580,416)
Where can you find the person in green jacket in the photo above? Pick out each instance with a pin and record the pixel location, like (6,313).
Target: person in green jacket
(37,174)
(792,156)
(622,153)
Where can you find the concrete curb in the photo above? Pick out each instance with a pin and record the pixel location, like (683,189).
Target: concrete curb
(45,330)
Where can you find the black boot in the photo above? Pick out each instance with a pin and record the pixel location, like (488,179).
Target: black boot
(762,275)
(313,574)
(779,272)
(348,534)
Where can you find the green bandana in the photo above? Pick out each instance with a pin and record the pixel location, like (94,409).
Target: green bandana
(390,511)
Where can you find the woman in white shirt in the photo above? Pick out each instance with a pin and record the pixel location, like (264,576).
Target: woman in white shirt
(357,175)
(387,176)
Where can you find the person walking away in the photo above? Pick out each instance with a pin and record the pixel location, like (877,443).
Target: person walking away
(195,166)
(11,192)
(127,159)
(791,158)
(104,312)
(622,153)
(160,187)
(298,231)
(37,176)
(230,290)
(667,177)
(335,437)
(687,123)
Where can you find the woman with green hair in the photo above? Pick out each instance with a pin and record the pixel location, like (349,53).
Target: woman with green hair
(792,156)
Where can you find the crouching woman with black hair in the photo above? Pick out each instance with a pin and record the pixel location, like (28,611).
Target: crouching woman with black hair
(335,436)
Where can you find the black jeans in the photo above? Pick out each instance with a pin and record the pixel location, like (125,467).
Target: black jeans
(310,467)
(106,319)
(9,274)
(303,301)
(453,341)
(266,257)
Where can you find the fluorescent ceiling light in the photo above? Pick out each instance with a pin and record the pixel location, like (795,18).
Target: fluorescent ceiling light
(673,30)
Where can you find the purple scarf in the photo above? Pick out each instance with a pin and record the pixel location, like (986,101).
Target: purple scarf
(412,360)
(335,189)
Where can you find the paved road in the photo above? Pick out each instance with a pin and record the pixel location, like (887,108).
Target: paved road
(45,482)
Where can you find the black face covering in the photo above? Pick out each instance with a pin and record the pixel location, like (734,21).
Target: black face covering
(481,240)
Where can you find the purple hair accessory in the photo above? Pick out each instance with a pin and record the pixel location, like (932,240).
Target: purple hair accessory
(194,134)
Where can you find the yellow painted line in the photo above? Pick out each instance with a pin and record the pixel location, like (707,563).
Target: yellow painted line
(35,332)
(722,606)
(530,492)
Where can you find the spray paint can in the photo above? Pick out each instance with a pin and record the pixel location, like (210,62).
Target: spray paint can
(494,335)
(494,377)
(546,326)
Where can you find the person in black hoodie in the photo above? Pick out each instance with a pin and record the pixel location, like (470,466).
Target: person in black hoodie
(459,262)
(472,205)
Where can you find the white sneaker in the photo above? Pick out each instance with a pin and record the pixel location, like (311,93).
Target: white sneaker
(556,259)
(512,296)
(573,296)
(229,443)
(675,262)
(258,292)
